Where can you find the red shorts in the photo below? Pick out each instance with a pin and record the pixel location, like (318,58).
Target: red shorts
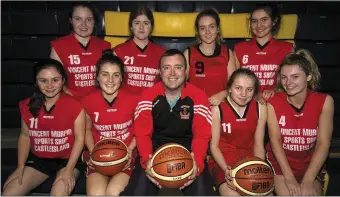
(217,174)
(86,158)
(297,169)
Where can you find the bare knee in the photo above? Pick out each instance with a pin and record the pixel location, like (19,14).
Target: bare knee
(113,192)
(226,191)
(59,190)
(95,192)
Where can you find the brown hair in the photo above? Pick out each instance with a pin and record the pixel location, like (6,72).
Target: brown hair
(306,62)
(141,11)
(214,14)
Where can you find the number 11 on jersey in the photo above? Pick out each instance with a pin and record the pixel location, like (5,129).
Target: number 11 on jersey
(225,127)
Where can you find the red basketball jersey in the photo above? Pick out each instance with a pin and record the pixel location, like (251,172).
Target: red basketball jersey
(237,131)
(209,73)
(141,65)
(80,62)
(111,121)
(52,132)
(263,62)
(298,129)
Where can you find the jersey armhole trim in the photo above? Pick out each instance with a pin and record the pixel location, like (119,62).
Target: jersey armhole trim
(220,113)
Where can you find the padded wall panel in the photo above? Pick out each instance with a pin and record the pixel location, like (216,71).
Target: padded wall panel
(32,47)
(10,118)
(6,47)
(231,42)
(64,25)
(175,6)
(100,26)
(325,53)
(17,71)
(174,43)
(115,40)
(59,5)
(242,6)
(330,79)
(5,23)
(312,27)
(5,6)
(336,128)
(105,5)
(12,94)
(324,8)
(220,6)
(129,6)
(336,97)
(34,23)
(293,7)
(182,25)
(27,5)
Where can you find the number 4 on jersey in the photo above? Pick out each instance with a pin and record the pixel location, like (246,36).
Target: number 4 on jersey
(282,121)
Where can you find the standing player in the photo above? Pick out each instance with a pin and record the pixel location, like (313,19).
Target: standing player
(52,135)
(109,114)
(300,123)
(173,111)
(79,51)
(238,127)
(210,62)
(263,54)
(140,55)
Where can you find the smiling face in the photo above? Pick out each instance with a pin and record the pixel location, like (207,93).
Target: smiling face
(141,27)
(173,72)
(242,90)
(207,29)
(82,21)
(50,82)
(293,79)
(110,79)
(261,24)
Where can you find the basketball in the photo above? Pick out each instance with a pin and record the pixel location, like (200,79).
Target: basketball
(109,156)
(252,176)
(172,165)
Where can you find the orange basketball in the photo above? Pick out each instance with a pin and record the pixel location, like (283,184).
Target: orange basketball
(252,176)
(109,156)
(172,164)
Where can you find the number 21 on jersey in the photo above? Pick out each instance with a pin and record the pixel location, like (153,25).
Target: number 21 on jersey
(226,127)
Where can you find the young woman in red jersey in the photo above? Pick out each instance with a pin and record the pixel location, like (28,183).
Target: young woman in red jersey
(109,105)
(52,135)
(300,122)
(211,62)
(238,127)
(263,54)
(139,53)
(79,51)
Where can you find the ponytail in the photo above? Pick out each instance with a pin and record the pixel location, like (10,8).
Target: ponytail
(305,60)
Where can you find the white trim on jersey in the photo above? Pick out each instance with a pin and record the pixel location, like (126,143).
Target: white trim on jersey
(204,111)
(143,105)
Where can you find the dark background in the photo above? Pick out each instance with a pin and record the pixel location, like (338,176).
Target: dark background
(27,27)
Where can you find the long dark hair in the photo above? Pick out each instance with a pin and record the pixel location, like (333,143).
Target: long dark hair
(109,57)
(38,98)
(141,11)
(84,4)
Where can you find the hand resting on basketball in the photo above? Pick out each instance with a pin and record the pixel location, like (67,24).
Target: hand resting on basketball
(129,151)
(192,177)
(228,178)
(149,174)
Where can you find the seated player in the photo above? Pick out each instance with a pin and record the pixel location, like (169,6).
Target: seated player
(113,106)
(300,122)
(238,127)
(173,111)
(52,135)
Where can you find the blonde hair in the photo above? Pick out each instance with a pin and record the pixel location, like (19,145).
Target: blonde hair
(306,62)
